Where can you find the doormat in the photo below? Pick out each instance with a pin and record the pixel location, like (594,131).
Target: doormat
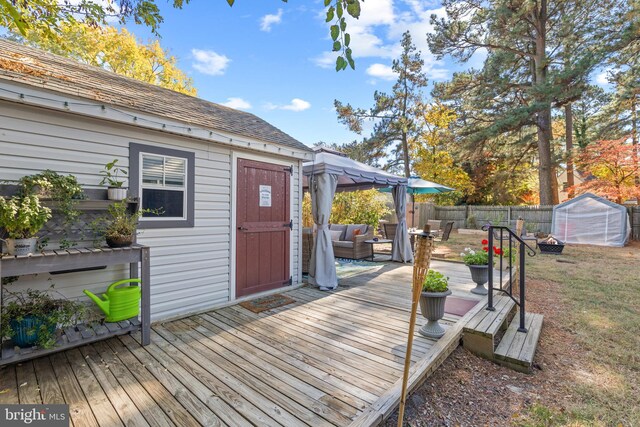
(267,303)
(459,306)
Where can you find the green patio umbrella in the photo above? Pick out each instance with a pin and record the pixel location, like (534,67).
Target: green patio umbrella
(417,185)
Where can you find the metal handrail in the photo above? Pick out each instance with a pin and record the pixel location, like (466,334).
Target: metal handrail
(523,248)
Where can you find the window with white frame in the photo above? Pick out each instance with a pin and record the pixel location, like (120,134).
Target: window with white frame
(164,185)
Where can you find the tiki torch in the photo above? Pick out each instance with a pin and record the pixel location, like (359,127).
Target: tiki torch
(422,259)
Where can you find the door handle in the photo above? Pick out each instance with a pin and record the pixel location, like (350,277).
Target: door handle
(241,228)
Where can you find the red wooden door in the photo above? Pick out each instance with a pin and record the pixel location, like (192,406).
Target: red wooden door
(263,227)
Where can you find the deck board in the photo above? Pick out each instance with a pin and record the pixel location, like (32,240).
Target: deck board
(328,359)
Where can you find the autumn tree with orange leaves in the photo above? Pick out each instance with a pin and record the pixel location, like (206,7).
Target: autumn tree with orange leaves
(612,168)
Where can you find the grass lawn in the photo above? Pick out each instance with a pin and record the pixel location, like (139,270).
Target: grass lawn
(590,297)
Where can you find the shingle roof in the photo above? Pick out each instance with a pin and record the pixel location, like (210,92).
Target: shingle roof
(36,67)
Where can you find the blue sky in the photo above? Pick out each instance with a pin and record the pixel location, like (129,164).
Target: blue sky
(273,59)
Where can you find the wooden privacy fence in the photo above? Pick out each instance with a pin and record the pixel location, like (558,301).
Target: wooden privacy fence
(634,218)
(536,218)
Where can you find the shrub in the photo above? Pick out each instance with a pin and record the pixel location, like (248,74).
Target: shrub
(435,282)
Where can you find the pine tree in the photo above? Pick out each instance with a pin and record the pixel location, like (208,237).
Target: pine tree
(525,74)
(397,114)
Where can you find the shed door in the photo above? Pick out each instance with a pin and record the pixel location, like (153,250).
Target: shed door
(263,227)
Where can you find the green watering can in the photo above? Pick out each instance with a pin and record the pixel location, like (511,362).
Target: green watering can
(119,303)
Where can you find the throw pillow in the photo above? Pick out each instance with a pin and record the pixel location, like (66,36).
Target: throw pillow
(335,235)
(341,227)
(356,233)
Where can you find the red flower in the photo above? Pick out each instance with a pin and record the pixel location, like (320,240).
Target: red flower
(497,251)
(486,249)
(485,242)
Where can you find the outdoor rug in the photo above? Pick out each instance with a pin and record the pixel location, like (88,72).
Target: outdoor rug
(267,303)
(349,267)
(459,306)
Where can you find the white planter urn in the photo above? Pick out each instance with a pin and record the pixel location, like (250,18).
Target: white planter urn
(116,193)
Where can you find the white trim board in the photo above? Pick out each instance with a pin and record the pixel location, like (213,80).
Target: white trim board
(36,97)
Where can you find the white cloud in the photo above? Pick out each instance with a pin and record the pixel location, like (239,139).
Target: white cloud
(267,21)
(209,62)
(602,78)
(237,103)
(296,105)
(378,32)
(382,71)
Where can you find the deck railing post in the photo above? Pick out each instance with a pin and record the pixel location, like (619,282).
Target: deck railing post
(490,306)
(522,289)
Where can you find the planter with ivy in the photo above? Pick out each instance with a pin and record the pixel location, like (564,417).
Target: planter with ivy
(435,291)
(21,218)
(33,317)
(111,176)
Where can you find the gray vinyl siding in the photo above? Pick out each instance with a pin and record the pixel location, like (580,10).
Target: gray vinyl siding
(190,267)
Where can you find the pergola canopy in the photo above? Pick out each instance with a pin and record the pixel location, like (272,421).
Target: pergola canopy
(333,171)
(352,175)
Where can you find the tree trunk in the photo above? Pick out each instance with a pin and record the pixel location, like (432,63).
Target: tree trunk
(568,115)
(405,153)
(634,132)
(543,117)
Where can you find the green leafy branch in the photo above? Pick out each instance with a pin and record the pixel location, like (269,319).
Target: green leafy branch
(341,39)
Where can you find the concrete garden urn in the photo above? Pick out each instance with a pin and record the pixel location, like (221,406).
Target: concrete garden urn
(480,276)
(432,308)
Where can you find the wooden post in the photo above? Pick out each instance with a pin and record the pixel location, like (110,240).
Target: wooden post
(420,268)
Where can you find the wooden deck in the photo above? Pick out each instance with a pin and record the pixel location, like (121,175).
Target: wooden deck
(329,359)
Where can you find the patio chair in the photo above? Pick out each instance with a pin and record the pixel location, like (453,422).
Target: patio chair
(389,230)
(435,225)
(446,232)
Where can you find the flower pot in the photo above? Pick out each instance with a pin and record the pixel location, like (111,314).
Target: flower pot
(119,241)
(26,330)
(116,193)
(432,308)
(21,246)
(479,276)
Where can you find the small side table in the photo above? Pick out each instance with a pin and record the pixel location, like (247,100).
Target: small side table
(375,242)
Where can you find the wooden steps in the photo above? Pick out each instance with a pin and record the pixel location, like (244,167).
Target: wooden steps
(479,334)
(494,335)
(516,349)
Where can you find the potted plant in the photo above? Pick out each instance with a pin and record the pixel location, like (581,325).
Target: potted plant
(119,226)
(33,317)
(435,290)
(22,217)
(63,190)
(478,263)
(116,190)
